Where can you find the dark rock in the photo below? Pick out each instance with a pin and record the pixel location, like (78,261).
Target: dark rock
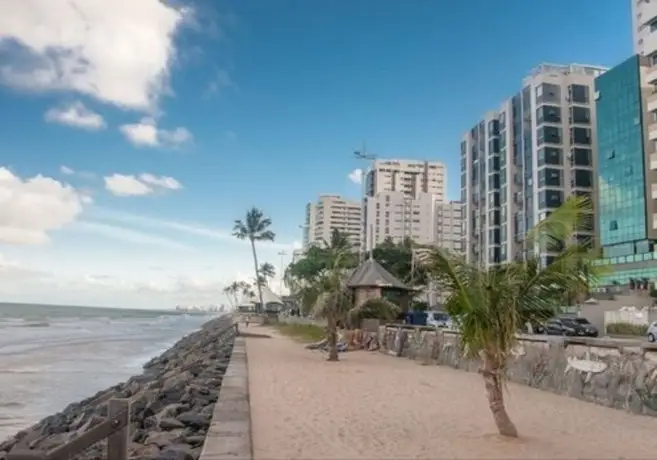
(194,419)
(164,438)
(170,424)
(194,440)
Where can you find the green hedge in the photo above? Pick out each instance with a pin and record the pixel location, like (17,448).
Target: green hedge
(627,329)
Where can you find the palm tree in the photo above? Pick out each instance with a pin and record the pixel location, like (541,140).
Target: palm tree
(231,292)
(267,272)
(255,227)
(489,306)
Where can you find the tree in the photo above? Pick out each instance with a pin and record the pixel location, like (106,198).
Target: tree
(238,289)
(490,305)
(302,277)
(267,272)
(255,227)
(402,260)
(331,295)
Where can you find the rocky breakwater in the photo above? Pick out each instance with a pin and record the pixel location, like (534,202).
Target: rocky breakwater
(172,402)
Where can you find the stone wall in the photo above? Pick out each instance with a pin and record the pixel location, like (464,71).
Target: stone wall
(620,374)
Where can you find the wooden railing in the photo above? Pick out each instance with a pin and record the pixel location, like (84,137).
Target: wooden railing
(116,429)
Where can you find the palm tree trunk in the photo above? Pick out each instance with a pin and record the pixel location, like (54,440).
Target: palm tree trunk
(332,335)
(257,277)
(491,371)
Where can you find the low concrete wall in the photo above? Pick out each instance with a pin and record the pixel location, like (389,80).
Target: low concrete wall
(612,373)
(229,435)
(301,320)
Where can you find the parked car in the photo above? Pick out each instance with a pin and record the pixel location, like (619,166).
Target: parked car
(571,326)
(652,331)
(438,319)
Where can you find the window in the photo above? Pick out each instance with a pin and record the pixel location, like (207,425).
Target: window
(550,199)
(548,114)
(580,136)
(613,225)
(581,157)
(611,155)
(550,177)
(550,156)
(580,115)
(579,94)
(582,178)
(549,135)
(547,92)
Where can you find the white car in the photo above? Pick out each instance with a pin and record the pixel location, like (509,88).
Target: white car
(438,319)
(652,331)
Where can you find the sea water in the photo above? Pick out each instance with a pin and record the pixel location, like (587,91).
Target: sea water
(51,356)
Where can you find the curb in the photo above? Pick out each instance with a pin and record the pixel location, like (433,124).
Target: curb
(229,435)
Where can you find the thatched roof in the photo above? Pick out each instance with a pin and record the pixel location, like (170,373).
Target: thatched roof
(371,274)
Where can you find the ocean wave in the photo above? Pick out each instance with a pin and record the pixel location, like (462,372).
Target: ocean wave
(24,323)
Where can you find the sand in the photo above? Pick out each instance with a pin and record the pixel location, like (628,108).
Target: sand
(370,405)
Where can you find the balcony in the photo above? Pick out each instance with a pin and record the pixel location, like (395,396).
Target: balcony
(651,105)
(651,75)
(654,221)
(652,133)
(649,42)
(653,161)
(653,191)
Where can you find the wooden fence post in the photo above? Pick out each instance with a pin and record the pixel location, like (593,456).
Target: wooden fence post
(117,443)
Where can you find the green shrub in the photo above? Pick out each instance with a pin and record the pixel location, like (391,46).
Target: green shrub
(627,329)
(304,332)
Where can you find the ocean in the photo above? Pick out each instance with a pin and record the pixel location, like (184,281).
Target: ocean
(51,356)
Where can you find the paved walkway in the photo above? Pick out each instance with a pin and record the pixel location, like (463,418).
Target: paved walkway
(370,405)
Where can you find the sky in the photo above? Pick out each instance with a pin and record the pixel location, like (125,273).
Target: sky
(134,133)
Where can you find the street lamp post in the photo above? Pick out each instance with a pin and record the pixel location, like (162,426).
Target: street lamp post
(363,155)
(280,283)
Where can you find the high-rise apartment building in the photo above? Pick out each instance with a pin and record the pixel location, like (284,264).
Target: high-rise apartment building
(398,216)
(644,30)
(329,213)
(410,177)
(448,219)
(400,200)
(523,160)
(626,105)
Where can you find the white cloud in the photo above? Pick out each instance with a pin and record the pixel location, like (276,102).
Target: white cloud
(162,181)
(122,185)
(128,235)
(33,207)
(145,184)
(118,52)
(356,176)
(77,115)
(184,227)
(15,271)
(66,170)
(145,133)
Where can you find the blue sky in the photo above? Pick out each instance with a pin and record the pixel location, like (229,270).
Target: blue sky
(229,104)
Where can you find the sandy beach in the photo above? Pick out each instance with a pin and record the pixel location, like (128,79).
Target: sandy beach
(370,405)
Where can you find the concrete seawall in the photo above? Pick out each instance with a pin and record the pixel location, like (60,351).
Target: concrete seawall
(606,372)
(229,435)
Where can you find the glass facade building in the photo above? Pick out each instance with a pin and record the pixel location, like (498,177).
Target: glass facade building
(624,223)
(621,175)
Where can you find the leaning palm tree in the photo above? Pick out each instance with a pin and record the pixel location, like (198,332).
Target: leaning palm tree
(490,306)
(255,227)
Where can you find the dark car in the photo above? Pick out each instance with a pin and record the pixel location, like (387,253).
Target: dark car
(571,326)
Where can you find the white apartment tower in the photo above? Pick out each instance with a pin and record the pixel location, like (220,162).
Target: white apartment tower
(644,28)
(411,177)
(523,160)
(332,212)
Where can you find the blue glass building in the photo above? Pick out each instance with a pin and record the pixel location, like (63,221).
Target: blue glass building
(624,205)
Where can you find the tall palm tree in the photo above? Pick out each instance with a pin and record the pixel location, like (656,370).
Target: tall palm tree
(490,306)
(255,227)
